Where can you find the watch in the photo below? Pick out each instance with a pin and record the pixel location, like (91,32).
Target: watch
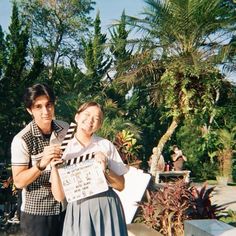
(107,171)
(40,167)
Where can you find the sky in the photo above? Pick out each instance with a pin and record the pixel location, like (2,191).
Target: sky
(110,10)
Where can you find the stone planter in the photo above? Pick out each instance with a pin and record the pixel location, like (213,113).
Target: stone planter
(222,180)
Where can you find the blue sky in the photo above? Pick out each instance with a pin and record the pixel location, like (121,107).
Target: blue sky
(110,10)
(5,13)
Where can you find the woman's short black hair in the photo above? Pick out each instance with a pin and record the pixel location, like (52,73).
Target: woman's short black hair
(31,93)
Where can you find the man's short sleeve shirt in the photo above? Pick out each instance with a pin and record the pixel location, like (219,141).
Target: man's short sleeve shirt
(26,149)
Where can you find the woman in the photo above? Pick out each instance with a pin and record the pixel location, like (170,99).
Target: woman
(31,151)
(178,158)
(101,214)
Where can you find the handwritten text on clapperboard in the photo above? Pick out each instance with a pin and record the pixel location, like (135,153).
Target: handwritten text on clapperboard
(82,180)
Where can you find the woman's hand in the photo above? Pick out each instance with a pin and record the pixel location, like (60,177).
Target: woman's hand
(101,158)
(56,161)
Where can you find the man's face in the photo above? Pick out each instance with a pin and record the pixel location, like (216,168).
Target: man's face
(42,111)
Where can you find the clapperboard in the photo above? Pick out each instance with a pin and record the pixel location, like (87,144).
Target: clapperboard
(69,135)
(80,177)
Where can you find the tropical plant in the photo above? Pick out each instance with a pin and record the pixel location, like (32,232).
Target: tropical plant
(226,146)
(119,42)
(126,145)
(203,208)
(178,60)
(165,209)
(229,217)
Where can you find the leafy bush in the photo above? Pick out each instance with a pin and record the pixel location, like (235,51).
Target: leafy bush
(166,209)
(127,146)
(229,218)
(202,207)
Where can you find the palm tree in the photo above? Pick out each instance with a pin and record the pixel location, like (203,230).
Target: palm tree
(178,57)
(226,145)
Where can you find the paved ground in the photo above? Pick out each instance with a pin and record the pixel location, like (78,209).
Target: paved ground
(225,195)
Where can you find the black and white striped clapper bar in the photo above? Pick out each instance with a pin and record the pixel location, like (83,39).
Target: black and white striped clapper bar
(69,135)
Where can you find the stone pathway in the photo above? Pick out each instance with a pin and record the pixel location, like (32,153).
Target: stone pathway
(225,195)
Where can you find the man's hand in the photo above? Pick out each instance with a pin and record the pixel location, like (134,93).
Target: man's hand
(49,153)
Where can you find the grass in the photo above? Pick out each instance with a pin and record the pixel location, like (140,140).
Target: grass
(229,218)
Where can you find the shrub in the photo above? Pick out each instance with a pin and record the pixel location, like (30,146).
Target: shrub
(127,146)
(166,209)
(229,217)
(202,207)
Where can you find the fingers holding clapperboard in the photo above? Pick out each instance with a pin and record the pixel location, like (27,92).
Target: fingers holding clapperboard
(101,158)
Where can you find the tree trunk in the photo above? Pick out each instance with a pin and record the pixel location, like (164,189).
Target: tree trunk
(161,145)
(227,164)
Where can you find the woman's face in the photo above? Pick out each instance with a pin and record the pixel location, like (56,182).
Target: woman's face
(43,111)
(89,120)
(176,149)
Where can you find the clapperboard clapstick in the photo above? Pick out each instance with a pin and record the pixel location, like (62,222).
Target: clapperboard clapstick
(69,135)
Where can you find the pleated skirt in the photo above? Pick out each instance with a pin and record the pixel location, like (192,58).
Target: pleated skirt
(98,215)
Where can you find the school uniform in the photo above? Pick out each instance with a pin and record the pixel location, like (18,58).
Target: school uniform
(101,214)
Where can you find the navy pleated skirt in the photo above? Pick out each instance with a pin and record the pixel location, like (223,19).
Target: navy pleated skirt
(98,215)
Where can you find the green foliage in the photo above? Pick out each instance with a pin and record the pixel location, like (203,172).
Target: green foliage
(225,145)
(57,27)
(147,117)
(176,61)
(95,61)
(119,42)
(115,121)
(229,218)
(126,145)
(226,138)
(186,25)
(142,83)
(198,145)
(2,51)
(13,81)
(190,90)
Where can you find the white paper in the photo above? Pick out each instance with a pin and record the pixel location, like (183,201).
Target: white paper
(82,180)
(136,182)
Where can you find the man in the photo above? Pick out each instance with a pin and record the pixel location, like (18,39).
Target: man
(32,150)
